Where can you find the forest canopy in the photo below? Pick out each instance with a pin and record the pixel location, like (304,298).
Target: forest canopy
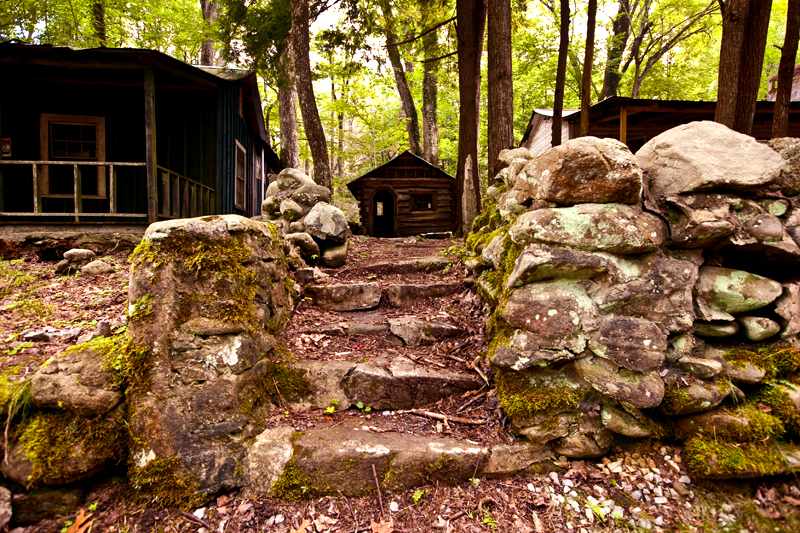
(363,52)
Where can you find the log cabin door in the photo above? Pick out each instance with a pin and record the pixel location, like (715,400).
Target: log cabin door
(383,214)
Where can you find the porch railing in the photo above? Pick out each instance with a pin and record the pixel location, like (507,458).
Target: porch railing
(182,197)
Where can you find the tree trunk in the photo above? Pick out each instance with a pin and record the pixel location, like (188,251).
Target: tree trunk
(210,12)
(469,207)
(780,122)
(471,23)
(305,92)
(287,110)
(734,22)
(588,63)
(430,101)
(561,72)
(409,110)
(500,86)
(616,47)
(99,23)
(752,64)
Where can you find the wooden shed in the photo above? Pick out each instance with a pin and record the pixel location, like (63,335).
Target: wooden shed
(121,136)
(406,196)
(635,121)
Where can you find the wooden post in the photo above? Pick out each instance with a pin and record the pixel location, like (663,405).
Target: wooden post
(78,192)
(165,181)
(37,192)
(623,125)
(112,193)
(150,144)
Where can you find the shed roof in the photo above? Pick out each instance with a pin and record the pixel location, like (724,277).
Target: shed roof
(353,185)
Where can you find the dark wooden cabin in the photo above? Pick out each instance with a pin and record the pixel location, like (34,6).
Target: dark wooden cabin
(122,136)
(406,196)
(635,121)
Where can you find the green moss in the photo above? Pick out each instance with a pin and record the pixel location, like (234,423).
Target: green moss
(756,426)
(162,483)
(15,397)
(280,383)
(519,397)
(142,309)
(49,440)
(293,485)
(129,362)
(776,361)
(713,458)
(782,407)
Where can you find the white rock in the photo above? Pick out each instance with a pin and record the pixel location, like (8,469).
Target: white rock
(660,500)
(394,507)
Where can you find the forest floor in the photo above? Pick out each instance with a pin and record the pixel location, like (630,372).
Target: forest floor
(640,486)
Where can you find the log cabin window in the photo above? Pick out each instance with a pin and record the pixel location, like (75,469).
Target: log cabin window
(379,209)
(241,158)
(72,138)
(422,202)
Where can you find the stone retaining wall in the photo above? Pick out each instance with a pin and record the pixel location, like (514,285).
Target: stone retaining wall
(654,295)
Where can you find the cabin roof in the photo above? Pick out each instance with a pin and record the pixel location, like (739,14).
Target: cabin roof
(122,59)
(353,185)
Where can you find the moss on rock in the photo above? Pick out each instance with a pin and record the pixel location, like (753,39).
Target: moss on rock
(519,397)
(162,483)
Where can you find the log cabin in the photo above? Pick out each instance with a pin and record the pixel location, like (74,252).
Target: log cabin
(126,136)
(405,196)
(635,121)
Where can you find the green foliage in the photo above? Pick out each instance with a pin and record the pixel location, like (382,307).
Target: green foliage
(293,485)
(11,278)
(418,494)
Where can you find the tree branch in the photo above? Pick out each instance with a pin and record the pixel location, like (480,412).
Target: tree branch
(437,58)
(423,34)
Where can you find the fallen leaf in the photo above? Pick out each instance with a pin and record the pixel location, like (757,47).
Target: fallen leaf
(381,527)
(303,527)
(222,501)
(323,523)
(764,409)
(537,523)
(81,523)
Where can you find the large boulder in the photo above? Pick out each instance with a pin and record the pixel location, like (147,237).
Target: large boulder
(583,170)
(707,155)
(615,228)
(327,223)
(789,149)
(217,296)
(639,390)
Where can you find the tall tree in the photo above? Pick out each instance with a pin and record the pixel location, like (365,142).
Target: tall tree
(621,30)
(287,109)
(500,86)
(409,110)
(210,10)
(99,22)
(430,10)
(305,91)
(471,23)
(744,37)
(780,122)
(588,63)
(561,72)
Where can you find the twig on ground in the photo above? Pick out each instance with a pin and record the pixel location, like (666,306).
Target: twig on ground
(196,520)
(378,485)
(445,418)
(347,503)
(454,358)
(280,397)
(477,369)
(475,399)
(456,516)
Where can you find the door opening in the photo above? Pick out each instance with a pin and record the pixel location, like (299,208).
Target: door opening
(383,214)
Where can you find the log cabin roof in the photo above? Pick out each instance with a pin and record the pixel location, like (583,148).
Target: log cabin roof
(395,161)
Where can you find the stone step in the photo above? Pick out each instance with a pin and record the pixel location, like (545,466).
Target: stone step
(362,296)
(408,294)
(386,381)
(410,266)
(411,330)
(326,460)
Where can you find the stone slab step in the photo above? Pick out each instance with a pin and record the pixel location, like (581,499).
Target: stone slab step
(345,296)
(407,294)
(324,461)
(383,382)
(423,264)
(341,329)
(411,330)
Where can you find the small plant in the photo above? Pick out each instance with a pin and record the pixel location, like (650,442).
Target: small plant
(15,351)
(93,507)
(66,526)
(446,269)
(373,276)
(332,407)
(314,256)
(475,481)
(306,299)
(366,409)
(489,520)
(417,496)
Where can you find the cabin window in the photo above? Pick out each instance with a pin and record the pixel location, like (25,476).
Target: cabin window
(422,202)
(241,158)
(74,138)
(378,209)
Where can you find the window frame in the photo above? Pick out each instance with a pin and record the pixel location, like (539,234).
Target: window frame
(430,193)
(236,203)
(45,122)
